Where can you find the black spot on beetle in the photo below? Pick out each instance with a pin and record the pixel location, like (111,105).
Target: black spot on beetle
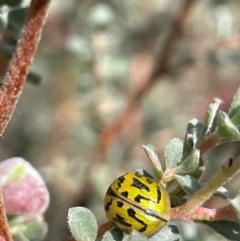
(143,229)
(107,206)
(110,192)
(125,194)
(139,197)
(121,181)
(139,185)
(119,204)
(132,213)
(149,180)
(159,195)
(121,220)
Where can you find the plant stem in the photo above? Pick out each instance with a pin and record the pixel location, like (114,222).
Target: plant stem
(104,228)
(22,60)
(227,171)
(4,227)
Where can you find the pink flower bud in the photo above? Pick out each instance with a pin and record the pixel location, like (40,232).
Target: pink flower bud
(1,238)
(24,191)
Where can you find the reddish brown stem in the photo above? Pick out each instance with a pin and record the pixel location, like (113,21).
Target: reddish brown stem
(208,144)
(109,135)
(225,213)
(104,228)
(4,228)
(22,60)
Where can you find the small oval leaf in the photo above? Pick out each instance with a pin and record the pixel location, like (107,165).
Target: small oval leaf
(136,236)
(82,223)
(151,152)
(225,127)
(194,129)
(210,116)
(190,163)
(173,153)
(189,184)
(115,234)
(235,104)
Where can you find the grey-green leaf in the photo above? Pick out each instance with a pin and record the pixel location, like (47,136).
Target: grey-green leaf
(210,116)
(19,237)
(115,234)
(151,152)
(173,153)
(228,229)
(136,236)
(235,104)
(236,117)
(189,184)
(168,233)
(194,129)
(82,224)
(108,237)
(225,128)
(190,163)
(31,230)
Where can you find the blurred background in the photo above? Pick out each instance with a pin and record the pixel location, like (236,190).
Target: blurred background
(108,77)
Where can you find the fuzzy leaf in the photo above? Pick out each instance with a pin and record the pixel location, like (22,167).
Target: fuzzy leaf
(151,152)
(20,237)
(235,105)
(32,230)
(210,116)
(190,163)
(228,229)
(168,233)
(194,129)
(173,153)
(189,184)
(225,128)
(108,237)
(136,236)
(82,224)
(115,234)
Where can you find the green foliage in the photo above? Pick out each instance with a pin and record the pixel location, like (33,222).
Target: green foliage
(29,231)
(82,223)
(151,152)
(228,229)
(173,153)
(184,167)
(209,118)
(112,235)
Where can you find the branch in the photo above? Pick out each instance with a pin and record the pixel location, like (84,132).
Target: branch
(20,65)
(227,171)
(160,68)
(4,228)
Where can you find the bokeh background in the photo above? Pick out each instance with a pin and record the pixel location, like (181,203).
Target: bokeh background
(94,61)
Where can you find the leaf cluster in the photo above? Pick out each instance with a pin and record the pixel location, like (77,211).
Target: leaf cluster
(183,168)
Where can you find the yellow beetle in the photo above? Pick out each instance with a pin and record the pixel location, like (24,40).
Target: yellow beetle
(137,202)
